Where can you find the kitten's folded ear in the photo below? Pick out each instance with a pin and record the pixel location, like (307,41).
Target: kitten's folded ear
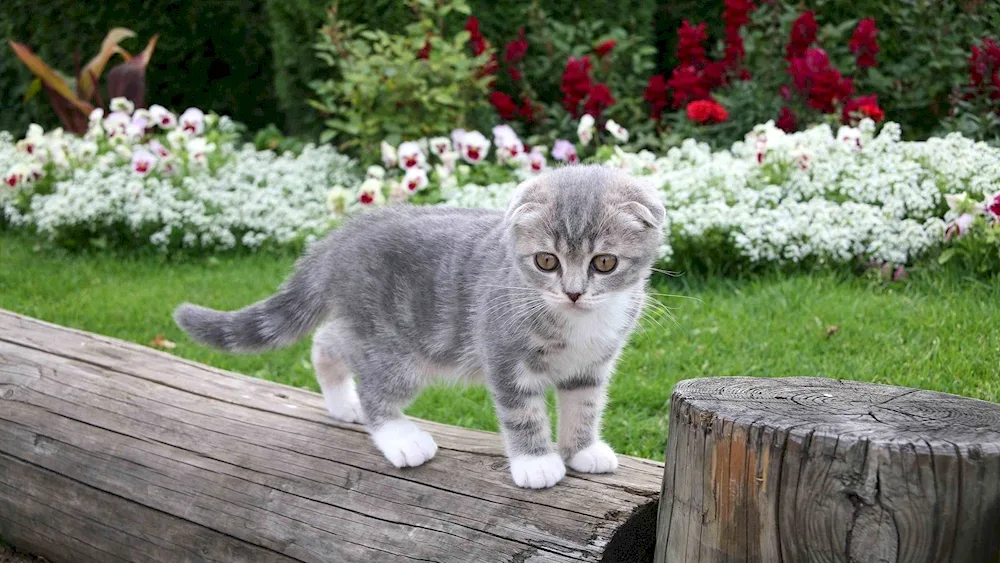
(644,204)
(526,202)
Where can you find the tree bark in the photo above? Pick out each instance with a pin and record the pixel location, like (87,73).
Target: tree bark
(808,469)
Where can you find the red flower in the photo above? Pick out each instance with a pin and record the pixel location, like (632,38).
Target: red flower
(984,70)
(688,84)
(528,110)
(476,38)
(605,48)
(425,52)
(787,120)
(690,50)
(863,43)
(505,105)
(598,100)
(575,84)
(656,94)
(737,14)
(803,35)
(515,74)
(864,106)
(706,111)
(516,49)
(822,84)
(366,198)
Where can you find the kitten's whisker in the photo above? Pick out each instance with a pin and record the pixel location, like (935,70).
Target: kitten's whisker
(675,296)
(667,272)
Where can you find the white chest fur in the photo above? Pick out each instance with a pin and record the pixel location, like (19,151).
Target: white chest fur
(591,338)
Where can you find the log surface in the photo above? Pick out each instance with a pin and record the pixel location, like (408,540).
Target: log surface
(807,469)
(110,451)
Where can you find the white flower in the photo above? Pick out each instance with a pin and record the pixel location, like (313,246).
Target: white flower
(375,171)
(456,138)
(475,147)
(509,149)
(162,117)
(585,129)
(564,150)
(86,150)
(143,162)
(448,159)
(198,149)
(411,156)
(16,176)
(616,130)
(192,121)
(177,138)
(415,179)
(389,157)
(443,172)
(398,193)
(123,105)
(95,116)
(440,145)
(370,193)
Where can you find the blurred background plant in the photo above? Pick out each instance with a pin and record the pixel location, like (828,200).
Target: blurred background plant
(399,86)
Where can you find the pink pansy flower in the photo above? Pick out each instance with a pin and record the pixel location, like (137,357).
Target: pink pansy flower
(564,151)
(143,162)
(456,138)
(370,192)
(415,179)
(411,156)
(193,121)
(158,149)
(116,124)
(992,205)
(440,145)
(535,161)
(959,226)
(162,117)
(475,147)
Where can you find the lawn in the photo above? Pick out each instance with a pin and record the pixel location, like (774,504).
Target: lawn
(937,331)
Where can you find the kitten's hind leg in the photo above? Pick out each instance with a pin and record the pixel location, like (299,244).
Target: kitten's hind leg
(386,386)
(334,377)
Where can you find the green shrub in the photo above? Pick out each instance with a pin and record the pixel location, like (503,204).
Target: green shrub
(213,55)
(398,86)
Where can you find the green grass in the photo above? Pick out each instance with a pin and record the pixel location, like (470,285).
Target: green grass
(938,331)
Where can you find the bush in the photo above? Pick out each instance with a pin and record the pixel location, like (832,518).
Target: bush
(848,196)
(399,86)
(183,187)
(212,55)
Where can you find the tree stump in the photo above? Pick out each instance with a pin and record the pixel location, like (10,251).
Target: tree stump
(809,469)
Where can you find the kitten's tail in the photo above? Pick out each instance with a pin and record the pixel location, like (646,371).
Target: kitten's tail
(300,306)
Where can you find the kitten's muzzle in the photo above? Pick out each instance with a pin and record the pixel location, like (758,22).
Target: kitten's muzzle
(573,296)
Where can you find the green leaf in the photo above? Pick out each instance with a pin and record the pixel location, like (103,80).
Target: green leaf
(947,255)
(34,87)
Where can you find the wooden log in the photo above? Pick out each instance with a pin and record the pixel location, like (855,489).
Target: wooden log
(808,469)
(114,452)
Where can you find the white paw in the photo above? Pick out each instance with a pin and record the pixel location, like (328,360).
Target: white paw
(595,458)
(537,471)
(404,444)
(343,405)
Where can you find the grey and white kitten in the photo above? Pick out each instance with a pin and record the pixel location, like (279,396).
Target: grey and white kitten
(544,294)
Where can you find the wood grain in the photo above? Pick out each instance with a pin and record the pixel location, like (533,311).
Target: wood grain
(821,470)
(114,452)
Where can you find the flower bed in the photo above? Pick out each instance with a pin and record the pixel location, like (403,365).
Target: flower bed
(149,178)
(811,196)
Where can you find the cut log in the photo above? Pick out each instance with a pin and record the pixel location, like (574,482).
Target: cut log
(114,452)
(807,469)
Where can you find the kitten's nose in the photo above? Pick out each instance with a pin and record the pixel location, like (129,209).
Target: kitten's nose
(573,296)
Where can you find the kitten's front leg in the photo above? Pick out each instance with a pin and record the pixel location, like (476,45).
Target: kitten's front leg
(581,404)
(520,407)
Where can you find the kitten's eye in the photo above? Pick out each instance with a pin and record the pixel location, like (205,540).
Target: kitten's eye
(604,263)
(546,262)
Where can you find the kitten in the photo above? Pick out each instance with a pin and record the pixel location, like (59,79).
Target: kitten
(544,294)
